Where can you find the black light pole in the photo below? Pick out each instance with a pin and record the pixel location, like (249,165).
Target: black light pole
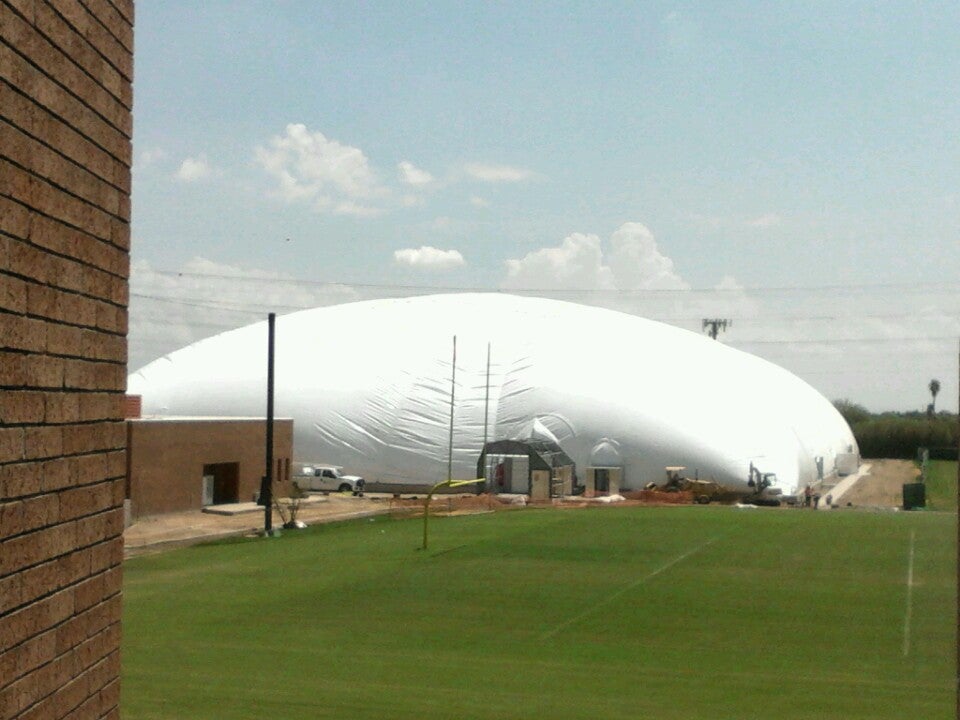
(266,484)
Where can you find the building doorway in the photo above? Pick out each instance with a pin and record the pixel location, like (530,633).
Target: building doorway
(221,483)
(508,473)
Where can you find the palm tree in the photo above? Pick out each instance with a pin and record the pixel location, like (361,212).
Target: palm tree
(934,389)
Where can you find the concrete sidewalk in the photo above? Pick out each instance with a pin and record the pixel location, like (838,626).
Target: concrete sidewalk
(837,491)
(164,532)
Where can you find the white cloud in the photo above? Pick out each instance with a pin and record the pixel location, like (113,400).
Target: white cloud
(576,263)
(479,202)
(412,175)
(728,283)
(765,221)
(309,167)
(637,262)
(429,258)
(633,262)
(346,207)
(497,173)
(194,169)
(151,156)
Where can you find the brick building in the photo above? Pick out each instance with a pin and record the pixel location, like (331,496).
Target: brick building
(176,464)
(66,72)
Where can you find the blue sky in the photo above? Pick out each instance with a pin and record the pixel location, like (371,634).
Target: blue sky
(641,154)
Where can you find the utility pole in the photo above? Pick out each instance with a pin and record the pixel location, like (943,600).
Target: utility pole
(266,484)
(453,390)
(486,402)
(716,325)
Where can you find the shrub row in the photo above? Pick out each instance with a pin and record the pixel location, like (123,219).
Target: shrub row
(899,435)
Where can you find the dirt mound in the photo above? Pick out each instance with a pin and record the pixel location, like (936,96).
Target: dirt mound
(659,497)
(449,504)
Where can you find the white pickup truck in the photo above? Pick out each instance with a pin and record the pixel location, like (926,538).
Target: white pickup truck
(328,478)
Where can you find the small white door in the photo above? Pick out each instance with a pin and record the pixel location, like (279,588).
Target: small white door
(208,481)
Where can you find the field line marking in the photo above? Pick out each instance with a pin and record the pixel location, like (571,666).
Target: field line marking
(626,588)
(909,610)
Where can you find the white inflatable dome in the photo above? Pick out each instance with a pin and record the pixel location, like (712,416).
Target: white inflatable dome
(368,387)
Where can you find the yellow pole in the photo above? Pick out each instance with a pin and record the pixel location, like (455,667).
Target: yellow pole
(426,506)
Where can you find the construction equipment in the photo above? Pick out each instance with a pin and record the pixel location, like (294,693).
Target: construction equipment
(760,483)
(703,491)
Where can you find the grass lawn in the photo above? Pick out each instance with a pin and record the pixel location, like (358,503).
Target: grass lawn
(941,484)
(693,612)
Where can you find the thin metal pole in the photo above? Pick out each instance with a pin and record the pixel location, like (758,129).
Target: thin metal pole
(486,410)
(486,401)
(266,492)
(453,388)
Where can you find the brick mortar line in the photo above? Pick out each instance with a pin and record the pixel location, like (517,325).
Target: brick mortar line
(52,114)
(61,255)
(63,222)
(72,550)
(25,425)
(109,32)
(70,57)
(45,596)
(21,426)
(43,493)
(61,388)
(70,455)
(60,153)
(67,90)
(59,288)
(65,191)
(65,652)
(92,453)
(107,60)
(63,323)
(68,390)
(18,351)
(60,220)
(99,661)
(121,13)
(96,691)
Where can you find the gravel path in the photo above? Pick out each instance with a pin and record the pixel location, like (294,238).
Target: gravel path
(883,485)
(188,528)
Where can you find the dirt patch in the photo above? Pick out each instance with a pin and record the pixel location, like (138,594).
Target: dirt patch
(883,485)
(193,526)
(452,504)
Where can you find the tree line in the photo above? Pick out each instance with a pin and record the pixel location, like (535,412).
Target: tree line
(900,434)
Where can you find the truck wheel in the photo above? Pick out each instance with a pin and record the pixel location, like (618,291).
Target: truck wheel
(344,487)
(703,499)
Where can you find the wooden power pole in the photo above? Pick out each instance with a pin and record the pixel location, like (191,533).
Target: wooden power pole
(716,325)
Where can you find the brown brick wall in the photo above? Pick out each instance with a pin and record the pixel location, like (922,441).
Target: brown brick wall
(66,71)
(166,459)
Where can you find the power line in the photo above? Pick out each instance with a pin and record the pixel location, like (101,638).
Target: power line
(916,286)
(260,308)
(916,338)
(226,325)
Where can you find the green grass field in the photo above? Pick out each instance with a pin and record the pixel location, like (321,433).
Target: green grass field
(941,484)
(693,612)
